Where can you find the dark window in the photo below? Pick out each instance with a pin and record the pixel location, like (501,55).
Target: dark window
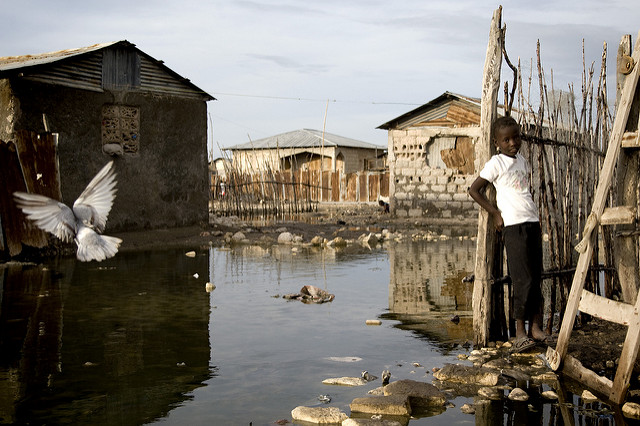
(120,69)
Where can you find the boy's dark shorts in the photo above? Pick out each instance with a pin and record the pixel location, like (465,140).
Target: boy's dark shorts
(523,243)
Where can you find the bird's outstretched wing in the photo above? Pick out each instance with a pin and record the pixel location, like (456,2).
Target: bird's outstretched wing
(94,204)
(48,214)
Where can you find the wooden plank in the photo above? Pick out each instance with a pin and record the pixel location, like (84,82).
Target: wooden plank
(628,356)
(11,218)
(621,215)
(599,201)
(606,309)
(485,148)
(363,193)
(574,368)
(631,139)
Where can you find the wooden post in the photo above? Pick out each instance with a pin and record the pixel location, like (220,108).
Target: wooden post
(625,246)
(484,149)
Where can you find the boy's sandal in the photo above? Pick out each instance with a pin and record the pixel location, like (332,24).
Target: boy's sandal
(523,344)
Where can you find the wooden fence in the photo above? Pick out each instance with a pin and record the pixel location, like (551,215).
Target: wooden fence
(290,192)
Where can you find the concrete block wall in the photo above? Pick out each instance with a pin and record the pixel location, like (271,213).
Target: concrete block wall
(420,191)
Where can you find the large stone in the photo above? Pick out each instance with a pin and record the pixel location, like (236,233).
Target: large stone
(318,415)
(631,410)
(238,237)
(394,405)
(468,375)
(421,394)
(317,240)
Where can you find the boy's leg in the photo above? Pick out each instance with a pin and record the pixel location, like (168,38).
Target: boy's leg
(524,258)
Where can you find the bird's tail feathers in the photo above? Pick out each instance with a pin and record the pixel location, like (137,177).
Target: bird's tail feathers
(99,248)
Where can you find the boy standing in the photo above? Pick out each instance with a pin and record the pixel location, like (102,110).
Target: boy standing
(516,215)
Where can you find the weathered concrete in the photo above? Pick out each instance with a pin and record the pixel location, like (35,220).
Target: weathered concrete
(465,374)
(420,394)
(395,405)
(318,415)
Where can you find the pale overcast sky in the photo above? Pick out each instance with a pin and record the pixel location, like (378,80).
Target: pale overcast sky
(273,65)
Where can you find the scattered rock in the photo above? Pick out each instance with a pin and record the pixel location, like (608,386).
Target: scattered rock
(631,410)
(190,254)
(468,375)
(239,237)
(317,241)
(318,415)
(421,394)
(285,238)
(550,395)
(587,396)
(209,287)
(518,395)
(468,409)
(373,322)
(394,405)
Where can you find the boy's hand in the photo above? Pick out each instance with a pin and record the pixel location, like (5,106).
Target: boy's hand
(498,221)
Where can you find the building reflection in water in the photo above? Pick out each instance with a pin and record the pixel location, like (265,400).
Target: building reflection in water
(120,342)
(426,289)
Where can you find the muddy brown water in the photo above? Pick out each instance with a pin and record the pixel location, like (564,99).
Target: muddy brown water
(137,339)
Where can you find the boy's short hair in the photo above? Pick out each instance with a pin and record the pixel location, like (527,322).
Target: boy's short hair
(502,122)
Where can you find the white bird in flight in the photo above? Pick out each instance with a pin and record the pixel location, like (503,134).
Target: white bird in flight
(84,223)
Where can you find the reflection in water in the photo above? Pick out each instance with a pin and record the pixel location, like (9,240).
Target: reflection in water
(99,344)
(426,289)
(137,339)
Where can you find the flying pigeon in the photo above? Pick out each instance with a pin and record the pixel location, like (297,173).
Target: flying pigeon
(84,223)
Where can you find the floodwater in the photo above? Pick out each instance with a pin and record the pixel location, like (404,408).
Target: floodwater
(138,340)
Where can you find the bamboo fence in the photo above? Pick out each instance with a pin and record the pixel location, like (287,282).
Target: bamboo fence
(564,139)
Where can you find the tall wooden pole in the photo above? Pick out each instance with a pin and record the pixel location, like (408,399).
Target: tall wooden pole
(485,249)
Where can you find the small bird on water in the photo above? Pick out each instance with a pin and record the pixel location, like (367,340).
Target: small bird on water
(84,223)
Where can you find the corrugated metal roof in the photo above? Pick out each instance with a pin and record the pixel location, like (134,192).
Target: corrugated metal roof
(304,138)
(38,67)
(430,109)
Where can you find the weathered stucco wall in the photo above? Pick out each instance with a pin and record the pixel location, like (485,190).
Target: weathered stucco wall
(163,185)
(427,182)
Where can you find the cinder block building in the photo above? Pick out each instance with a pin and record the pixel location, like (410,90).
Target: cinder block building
(431,159)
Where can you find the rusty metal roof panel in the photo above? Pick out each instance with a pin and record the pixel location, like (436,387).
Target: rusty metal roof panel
(433,109)
(304,138)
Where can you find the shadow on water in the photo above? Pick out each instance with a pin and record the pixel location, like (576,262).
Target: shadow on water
(137,339)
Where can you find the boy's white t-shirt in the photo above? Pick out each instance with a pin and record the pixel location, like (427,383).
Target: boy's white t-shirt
(510,176)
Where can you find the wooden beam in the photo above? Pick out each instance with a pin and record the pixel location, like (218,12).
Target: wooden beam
(622,215)
(606,309)
(484,149)
(574,368)
(631,139)
(628,356)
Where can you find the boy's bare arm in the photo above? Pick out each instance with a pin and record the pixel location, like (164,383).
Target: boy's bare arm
(476,190)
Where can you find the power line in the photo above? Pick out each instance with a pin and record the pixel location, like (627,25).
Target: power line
(286,98)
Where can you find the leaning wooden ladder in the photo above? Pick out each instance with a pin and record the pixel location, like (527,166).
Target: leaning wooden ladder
(588,302)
